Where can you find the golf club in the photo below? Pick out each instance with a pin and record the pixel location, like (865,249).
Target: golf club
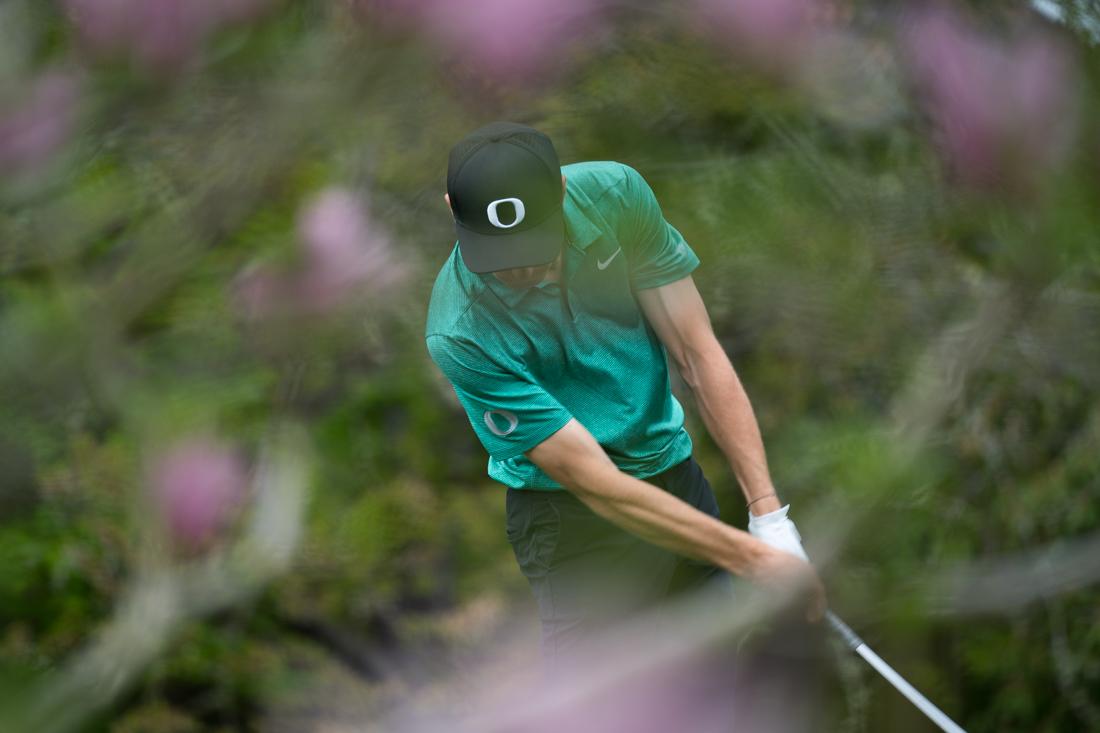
(923,704)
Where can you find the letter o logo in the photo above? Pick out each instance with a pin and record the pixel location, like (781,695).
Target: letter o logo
(494,425)
(495,220)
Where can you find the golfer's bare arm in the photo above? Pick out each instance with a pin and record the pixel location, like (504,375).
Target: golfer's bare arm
(678,316)
(573,458)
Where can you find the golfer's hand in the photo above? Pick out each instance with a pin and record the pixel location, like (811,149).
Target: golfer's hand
(777,529)
(777,568)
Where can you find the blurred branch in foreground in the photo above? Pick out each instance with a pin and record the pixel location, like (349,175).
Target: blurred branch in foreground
(697,664)
(161,600)
(1005,585)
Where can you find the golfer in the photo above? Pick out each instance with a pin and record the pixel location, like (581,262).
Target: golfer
(554,318)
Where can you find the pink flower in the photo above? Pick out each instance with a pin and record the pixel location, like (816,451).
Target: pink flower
(1003,110)
(167,33)
(774,34)
(162,35)
(240,11)
(497,39)
(197,484)
(33,131)
(510,40)
(346,258)
(393,15)
(345,254)
(104,25)
(334,229)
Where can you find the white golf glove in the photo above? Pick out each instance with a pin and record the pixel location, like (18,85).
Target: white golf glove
(777,531)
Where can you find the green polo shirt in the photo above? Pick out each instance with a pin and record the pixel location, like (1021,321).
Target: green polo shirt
(524,362)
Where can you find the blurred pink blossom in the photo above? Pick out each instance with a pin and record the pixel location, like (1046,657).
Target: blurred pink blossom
(104,25)
(498,39)
(197,484)
(346,257)
(689,669)
(167,33)
(241,11)
(775,34)
(394,15)
(334,229)
(36,128)
(1003,109)
(510,40)
(345,251)
(162,35)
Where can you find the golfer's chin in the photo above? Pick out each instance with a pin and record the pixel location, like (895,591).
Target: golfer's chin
(521,278)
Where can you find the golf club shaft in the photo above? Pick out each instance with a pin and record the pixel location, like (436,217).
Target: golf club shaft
(923,704)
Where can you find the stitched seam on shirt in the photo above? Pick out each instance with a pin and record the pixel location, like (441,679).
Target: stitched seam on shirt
(458,318)
(616,184)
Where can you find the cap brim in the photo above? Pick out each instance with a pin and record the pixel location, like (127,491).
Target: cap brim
(529,248)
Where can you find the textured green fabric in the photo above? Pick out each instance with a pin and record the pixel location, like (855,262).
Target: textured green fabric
(523,362)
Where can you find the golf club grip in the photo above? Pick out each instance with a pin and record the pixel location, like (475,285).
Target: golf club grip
(922,703)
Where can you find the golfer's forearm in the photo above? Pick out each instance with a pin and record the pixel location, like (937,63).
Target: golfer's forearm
(728,416)
(660,518)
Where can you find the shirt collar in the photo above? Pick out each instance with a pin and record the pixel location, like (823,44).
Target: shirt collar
(580,229)
(510,296)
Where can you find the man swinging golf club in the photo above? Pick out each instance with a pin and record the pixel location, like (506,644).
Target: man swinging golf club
(552,319)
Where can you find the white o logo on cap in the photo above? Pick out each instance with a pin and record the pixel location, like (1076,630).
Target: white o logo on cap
(495,220)
(494,428)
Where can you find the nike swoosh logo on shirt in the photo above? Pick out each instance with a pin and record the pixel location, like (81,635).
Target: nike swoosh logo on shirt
(604,263)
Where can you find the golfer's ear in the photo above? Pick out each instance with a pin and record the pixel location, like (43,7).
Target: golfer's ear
(447,198)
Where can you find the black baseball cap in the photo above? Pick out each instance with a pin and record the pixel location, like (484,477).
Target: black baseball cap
(504,182)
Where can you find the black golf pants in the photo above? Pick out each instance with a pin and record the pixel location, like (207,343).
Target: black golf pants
(586,573)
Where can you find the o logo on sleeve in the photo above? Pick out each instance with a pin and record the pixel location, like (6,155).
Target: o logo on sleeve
(495,220)
(492,421)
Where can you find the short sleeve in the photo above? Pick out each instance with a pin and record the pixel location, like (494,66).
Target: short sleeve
(656,251)
(510,414)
